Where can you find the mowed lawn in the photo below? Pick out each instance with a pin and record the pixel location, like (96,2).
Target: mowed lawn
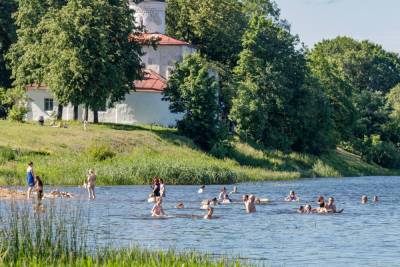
(123,155)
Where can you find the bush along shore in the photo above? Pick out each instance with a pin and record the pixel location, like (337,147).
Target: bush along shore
(54,236)
(125,155)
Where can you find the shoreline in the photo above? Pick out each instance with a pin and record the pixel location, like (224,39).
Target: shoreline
(132,155)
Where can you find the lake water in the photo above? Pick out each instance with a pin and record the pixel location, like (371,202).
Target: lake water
(363,235)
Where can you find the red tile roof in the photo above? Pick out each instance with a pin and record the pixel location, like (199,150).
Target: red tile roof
(152,82)
(35,86)
(160,39)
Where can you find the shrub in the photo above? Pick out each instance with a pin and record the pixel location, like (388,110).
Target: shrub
(17,113)
(100,152)
(381,152)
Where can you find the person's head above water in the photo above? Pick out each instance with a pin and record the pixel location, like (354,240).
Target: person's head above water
(245,197)
(320,199)
(292,193)
(364,199)
(308,208)
(331,200)
(202,186)
(180,205)
(376,199)
(252,198)
(159,200)
(161,181)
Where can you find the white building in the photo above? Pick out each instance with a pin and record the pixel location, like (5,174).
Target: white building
(144,105)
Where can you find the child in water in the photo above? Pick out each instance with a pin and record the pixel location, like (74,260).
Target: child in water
(364,199)
(201,189)
(157,209)
(222,193)
(249,203)
(292,197)
(91,182)
(226,199)
(39,188)
(209,214)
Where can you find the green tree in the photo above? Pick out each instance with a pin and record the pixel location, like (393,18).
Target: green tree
(269,73)
(83,53)
(215,27)
(193,90)
(7,37)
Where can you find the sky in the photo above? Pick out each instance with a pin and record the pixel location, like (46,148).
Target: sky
(315,20)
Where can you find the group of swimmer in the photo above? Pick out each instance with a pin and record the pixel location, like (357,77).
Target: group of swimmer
(159,192)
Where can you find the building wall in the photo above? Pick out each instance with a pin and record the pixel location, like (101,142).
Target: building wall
(163,58)
(138,107)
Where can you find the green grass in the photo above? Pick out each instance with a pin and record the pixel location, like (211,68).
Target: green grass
(124,155)
(58,236)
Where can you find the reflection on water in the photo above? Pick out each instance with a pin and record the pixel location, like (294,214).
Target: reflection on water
(363,235)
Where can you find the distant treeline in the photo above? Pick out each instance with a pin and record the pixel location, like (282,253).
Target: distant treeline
(251,76)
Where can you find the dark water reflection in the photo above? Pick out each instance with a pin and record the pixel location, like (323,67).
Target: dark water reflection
(363,235)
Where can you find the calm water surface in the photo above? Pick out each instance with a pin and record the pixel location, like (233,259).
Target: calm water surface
(363,235)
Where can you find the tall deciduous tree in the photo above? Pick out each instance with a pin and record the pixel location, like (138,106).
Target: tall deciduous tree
(269,73)
(194,91)
(84,53)
(7,37)
(215,27)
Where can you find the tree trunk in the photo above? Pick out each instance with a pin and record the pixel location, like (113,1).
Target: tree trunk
(59,112)
(86,114)
(95,116)
(76,110)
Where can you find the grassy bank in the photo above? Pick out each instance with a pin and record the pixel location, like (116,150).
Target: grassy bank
(58,236)
(133,154)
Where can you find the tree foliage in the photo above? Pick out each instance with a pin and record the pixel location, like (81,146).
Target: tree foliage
(215,27)
(193,90)
(81,49)
(269,73)
(7,37)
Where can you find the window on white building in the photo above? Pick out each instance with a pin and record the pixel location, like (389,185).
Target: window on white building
(48,104)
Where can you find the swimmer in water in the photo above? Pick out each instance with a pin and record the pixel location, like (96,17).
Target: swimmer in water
(226,199)
(249,203)
(330,206)
(300,209)
(364,199)
(222,194)
(214,201)
(292,197)
(180,205)
(209,214)
(201,189)
(321,202)
(376,199)
(205,204)
(234,191)
(157,210)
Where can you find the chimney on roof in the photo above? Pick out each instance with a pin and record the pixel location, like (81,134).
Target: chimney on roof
(151,15)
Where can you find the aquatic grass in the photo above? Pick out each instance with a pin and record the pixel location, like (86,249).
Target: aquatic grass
(57,235)
(134,154)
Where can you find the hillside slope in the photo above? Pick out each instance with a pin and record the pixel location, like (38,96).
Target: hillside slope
(133,154)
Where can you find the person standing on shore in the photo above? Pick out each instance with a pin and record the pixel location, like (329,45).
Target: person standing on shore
(30,179)
(91,182)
